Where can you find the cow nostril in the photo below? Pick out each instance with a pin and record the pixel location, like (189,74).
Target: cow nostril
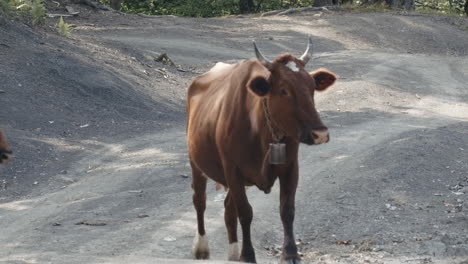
(314,135)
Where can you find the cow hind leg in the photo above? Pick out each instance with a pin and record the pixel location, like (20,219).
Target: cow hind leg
(244,213)
(230,218)
(200,249)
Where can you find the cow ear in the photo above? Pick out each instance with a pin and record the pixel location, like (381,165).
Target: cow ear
(323,79)
(259,86)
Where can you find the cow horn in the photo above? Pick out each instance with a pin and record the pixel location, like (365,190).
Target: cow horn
(260,57)
(308,53)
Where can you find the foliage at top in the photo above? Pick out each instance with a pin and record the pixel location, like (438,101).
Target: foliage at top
(210,8)
(451,7)
(203,8)
(33,11)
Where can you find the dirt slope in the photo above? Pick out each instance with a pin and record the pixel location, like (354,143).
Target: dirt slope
(102,176)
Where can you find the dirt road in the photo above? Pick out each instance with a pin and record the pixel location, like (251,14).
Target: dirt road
(102,175)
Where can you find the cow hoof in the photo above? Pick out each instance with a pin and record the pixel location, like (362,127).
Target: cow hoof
(202,255)
(250,258)
(5,156)
(290,261)
(200,249)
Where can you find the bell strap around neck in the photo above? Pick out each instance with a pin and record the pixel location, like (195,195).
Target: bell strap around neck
(276,138)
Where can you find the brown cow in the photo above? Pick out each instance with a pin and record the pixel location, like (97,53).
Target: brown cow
(5,150)
(234,114)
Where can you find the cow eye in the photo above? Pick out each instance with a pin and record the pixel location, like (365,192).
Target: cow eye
(283,92)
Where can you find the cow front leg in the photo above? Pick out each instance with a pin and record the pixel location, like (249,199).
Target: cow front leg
(244,212)
(288,185)
(230,218)
(200,249)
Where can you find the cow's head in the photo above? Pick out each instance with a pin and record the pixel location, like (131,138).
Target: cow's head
(5,151)
(289,93)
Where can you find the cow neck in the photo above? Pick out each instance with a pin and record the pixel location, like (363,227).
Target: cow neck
(277,137)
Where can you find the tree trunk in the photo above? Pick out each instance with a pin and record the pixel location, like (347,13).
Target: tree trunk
(246,6)
(116,4)
(323,3)
(92,4)
(409,5)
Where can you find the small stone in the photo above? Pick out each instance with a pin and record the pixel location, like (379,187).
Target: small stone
(91,223)
(169,239)
(342,196)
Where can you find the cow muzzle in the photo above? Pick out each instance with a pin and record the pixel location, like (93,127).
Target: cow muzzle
(315,137)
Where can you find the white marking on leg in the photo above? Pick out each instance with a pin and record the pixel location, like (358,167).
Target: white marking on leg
(292,66)
(200,246)
(234,252)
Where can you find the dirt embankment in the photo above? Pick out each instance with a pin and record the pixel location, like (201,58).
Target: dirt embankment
(101,173)
(56,91)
